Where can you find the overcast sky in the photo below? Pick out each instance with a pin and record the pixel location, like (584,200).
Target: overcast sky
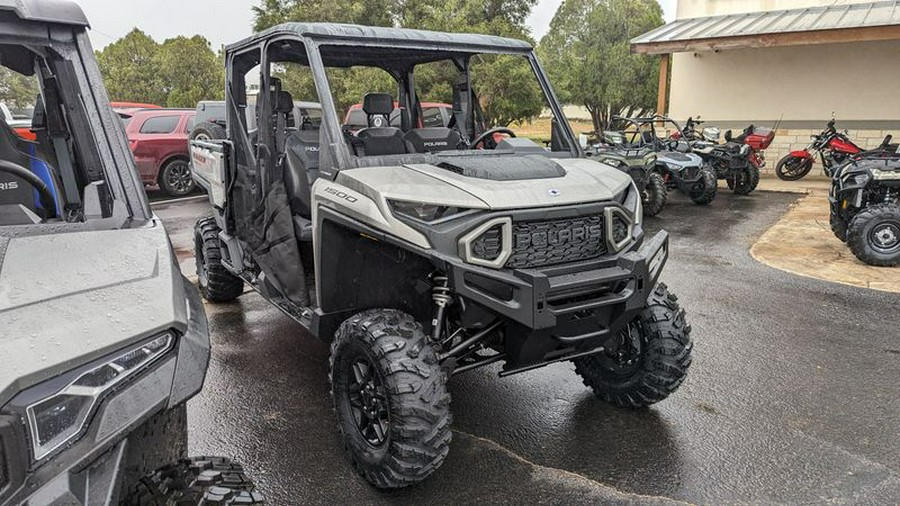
(223,21)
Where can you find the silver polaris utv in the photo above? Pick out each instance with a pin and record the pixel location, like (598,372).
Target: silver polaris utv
(102,339)
(422,252)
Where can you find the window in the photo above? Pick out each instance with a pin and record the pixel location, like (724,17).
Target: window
(432,117)
(160,125)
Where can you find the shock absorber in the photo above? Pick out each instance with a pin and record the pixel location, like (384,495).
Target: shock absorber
(441,294)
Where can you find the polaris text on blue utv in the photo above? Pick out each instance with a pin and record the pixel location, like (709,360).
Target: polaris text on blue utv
(103,340)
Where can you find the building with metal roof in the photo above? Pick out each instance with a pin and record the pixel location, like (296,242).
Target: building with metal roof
(734,62)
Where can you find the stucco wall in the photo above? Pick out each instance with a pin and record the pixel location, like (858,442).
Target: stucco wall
(858,81)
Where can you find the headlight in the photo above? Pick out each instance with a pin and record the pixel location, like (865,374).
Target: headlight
(421,211)
(57,419)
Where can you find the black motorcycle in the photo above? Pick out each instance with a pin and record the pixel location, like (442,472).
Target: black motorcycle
(730,161)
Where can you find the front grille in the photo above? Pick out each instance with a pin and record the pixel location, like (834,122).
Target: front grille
(552,242)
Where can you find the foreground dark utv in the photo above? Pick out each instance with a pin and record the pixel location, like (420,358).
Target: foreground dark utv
(102,340)
(425,252)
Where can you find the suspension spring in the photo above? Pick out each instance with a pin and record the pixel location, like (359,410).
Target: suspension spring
(442,297)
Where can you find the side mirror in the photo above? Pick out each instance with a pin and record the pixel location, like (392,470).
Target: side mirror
(728,136)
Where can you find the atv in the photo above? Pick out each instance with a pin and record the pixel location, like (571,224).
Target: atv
(424,252)
(639,164)
(865,204)
(676,164)
(730,161)
(103,339)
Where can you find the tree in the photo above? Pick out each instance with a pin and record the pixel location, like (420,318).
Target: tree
(129,70)
(189,71)
(588,56)
(177,73)
(16,90)
(507,89)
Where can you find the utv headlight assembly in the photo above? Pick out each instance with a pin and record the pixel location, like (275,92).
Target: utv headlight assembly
(423,212)
(55,420)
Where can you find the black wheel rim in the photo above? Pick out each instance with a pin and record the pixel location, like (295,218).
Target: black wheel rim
(368,401)
(885,237)
(178,178)
(794,167)
(628,357)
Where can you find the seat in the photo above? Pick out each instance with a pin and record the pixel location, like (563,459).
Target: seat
(24,153)
(432,139)
(302,169)
(379,138)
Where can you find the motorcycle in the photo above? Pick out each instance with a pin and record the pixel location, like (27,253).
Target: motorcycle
(833,147)
(731,161)
(759,139)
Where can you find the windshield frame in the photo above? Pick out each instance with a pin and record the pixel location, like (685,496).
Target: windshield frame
(342,158)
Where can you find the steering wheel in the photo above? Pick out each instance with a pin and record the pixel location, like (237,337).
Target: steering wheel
(48,201)
(488,134)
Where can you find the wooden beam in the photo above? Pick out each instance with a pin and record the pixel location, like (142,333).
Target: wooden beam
(663,93)
(864,34)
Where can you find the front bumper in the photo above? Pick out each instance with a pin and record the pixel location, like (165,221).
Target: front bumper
(569,309)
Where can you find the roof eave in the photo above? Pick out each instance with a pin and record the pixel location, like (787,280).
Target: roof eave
(843,35)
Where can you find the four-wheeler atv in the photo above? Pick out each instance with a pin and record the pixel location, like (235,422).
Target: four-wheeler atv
(678,167)
(865,204)
(639,164)
(103,340)
(730,161)
(425,252)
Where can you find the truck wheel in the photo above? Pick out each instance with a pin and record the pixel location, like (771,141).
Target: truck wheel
(175,178)
(216,283)
(745,182)
(838,226)
(391,398)
(208,132)
(874,235)
(196,481)
(652,359)
(705,191)
(655,195)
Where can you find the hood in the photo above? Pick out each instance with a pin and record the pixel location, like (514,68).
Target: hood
(676,160)
(568,181)
(69,298)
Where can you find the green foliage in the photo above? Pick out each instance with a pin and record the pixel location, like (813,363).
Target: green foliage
(16,90)
(177,73)
(506,86)
(587,54)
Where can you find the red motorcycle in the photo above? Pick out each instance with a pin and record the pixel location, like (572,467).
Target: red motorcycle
(832,146)
(759,139)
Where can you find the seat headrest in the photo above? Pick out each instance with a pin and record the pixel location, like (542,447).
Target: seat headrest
(284,102)
(378,103)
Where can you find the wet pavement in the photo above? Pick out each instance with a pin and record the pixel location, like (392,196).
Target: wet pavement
(792,396)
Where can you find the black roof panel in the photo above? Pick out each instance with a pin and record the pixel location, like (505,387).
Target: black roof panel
(47,11)
(390,36)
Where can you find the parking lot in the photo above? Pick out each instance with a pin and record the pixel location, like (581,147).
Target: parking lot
(792,396)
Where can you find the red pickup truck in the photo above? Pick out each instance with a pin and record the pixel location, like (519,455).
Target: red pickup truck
(159,142)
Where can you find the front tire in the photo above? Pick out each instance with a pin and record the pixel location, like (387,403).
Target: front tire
(838,226)
(793,168)
(175,178)
(216,282)
(655,195)
(652,360)
(706,190)
(874,235)
(391,398)
(196,481)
